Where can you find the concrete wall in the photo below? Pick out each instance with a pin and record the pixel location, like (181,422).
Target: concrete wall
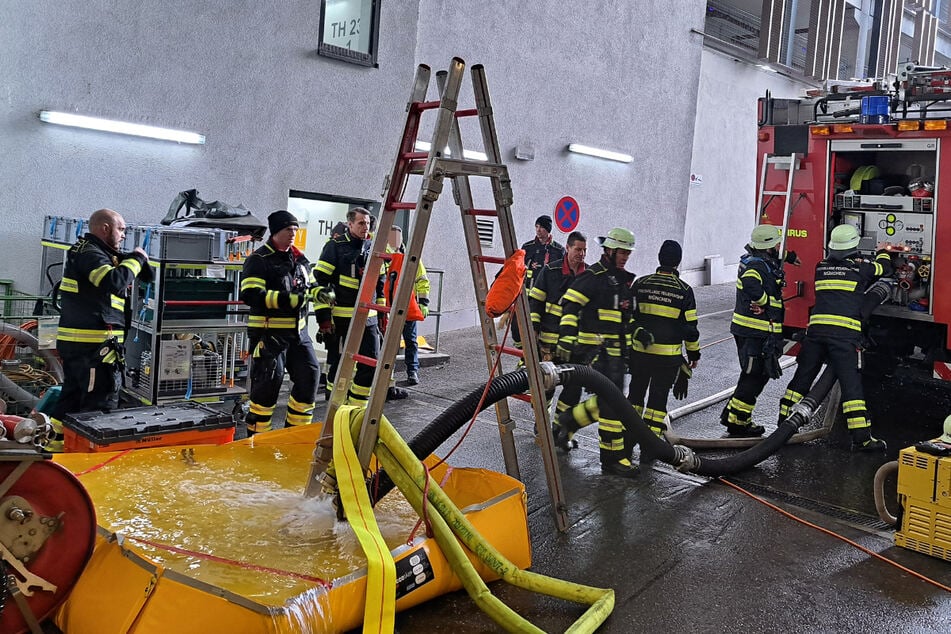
(242,72)
(612,73)
(615,74)
(722,208)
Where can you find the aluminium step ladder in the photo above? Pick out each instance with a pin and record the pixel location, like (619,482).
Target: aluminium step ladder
(435,166)
(790,163)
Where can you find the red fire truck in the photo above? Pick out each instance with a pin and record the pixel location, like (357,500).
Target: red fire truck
(872,156)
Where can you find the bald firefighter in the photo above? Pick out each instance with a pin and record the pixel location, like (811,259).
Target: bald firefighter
(757,326)
(834,335)
(595,312)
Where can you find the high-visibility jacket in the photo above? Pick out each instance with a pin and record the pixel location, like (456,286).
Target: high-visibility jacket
(539,254)
(545,298)
(760,281)
(274,285)
(840,288)
(665,305)
(393,273)
(341,266)
(596,310)
(95,292)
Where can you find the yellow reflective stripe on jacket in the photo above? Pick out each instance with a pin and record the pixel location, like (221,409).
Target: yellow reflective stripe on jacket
(117,302)
(661,349)
(756,324)
(553,309)
(571,295)
(836,285)
(836,320)
(97,275)
(260,321)
(691,315)
(83,335)
(270,299)
(775,302)
(693,346)
(132,264)
(69,285)
(548,337)
(349,282)
(752,273)
(325,267)
(346,312)
(659,309)
(537,293)
(569,320)
(609,314)
(252,282)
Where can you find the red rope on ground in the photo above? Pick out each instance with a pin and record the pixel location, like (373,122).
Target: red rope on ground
(233,562)
(848,541)
(102,464)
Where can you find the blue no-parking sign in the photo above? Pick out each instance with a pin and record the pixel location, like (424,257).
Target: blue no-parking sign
(567,214)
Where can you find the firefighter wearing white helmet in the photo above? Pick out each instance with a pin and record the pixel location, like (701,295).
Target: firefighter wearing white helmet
(834,335)
(757,326)
(596,314)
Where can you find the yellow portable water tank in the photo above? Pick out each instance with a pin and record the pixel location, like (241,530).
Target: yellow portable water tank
(924,495)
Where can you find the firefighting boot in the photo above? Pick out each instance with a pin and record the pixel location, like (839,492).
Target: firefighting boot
(563,431)
(622,468)
(862,440)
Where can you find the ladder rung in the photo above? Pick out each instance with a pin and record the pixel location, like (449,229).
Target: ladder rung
(414,155)
(416,167)
(398,205)
(386,257)
(522,397)
(380,308)
(491,259)
(425,105)
(468,112)
(515,352)
(782,193)
(483,212)
(365,360)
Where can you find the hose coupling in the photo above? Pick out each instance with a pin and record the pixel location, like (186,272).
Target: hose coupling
(801,412)
(685,460)
(551,378)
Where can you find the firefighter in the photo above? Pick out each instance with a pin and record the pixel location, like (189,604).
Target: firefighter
(421,287)
(539,252)
(341,267)
(94,318)
(274,284)
(757,326)
(545,302)
(665,306)
(834,335)
(595,310)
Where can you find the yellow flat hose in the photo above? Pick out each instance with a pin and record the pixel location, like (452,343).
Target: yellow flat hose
(408,473)
(380,611)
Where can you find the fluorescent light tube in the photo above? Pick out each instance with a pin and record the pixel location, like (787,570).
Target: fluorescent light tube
(120,127)
(423,146)
(577,148)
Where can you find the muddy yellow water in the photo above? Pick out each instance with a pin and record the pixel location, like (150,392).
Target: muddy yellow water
(233,516)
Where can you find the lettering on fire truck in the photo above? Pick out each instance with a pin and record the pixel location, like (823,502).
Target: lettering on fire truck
(797,233)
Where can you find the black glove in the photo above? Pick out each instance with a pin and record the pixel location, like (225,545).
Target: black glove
(792,258)
(693,355)
(643,336)
(680,385)
(771,367)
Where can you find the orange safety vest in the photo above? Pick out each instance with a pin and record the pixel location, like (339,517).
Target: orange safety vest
(390,285)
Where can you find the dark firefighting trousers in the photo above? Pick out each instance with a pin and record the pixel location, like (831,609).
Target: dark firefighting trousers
(359,389)
(754,376)
(270,356)
(91,381)
(844,356)
(657,374)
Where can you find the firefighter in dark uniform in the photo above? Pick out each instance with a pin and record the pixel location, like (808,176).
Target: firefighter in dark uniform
(274,284)
(341,267)
(757,326)
(94,318)
(834,335)
(545,302)
(665,306)
(595,312)
(539,252)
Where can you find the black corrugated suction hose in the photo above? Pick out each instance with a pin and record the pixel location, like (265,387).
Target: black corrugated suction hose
(460,413)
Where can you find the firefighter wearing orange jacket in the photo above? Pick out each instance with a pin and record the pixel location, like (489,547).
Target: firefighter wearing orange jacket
(666,307)
(274,284)
(757,326)
(834,335)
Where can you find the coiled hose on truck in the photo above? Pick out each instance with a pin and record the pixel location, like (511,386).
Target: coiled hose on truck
(461,412)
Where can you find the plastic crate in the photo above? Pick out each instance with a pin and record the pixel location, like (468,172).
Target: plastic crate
(56,229)
(139,427)
(177,245)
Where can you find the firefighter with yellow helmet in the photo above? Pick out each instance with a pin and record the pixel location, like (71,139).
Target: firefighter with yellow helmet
(757,326)
(834,335)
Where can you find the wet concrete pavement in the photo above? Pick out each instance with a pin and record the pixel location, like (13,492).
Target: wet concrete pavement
(684,552)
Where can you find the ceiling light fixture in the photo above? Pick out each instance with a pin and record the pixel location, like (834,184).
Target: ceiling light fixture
(120,127)
(577,148)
